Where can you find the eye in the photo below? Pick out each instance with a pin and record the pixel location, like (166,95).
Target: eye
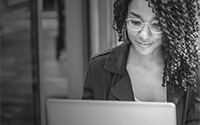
(135,22)
(155,24)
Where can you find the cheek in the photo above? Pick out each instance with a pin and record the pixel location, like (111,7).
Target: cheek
(131,35)
(158,38)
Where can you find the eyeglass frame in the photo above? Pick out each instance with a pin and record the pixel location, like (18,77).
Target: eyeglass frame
(128,19)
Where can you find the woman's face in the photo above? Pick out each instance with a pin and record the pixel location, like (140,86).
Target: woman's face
(144,41)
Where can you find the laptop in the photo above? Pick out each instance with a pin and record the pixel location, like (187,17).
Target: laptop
(93,112)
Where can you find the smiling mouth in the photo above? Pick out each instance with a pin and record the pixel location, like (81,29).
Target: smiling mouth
(146,45)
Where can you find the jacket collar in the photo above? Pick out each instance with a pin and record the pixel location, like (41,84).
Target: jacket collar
(122,90)
(116,62)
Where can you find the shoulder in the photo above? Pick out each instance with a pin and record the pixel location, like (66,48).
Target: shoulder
(109,57)
(98,61)
(101,55)
(106,53)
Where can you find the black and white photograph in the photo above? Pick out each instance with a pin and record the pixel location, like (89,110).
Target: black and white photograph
(100,62)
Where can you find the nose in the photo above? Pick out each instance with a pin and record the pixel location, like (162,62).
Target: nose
(145,32)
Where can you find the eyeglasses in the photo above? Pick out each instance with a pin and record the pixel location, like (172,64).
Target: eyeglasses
(137,25)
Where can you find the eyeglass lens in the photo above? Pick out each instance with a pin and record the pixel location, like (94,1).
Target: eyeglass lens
(137,25)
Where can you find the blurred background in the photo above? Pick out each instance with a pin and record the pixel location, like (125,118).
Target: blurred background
(45,46)
(45,49)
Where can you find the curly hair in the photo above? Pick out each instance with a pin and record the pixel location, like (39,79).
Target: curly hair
(178,21)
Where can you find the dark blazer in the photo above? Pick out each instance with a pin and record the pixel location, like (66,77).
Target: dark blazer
(107,79)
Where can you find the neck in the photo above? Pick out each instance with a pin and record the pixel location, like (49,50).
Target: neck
(150,60)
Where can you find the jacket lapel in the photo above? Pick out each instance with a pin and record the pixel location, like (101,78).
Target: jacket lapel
(122,90)
(116,63)
(174,96)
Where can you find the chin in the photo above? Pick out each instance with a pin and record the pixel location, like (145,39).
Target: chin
(145,52)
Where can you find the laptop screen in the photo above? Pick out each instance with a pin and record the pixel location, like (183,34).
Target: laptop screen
(87,112)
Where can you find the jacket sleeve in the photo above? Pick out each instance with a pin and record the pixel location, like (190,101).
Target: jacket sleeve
(87,88)
(193,117)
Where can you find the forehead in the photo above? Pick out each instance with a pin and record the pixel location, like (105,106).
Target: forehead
(141,8)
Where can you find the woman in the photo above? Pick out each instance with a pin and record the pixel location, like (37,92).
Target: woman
(158,61)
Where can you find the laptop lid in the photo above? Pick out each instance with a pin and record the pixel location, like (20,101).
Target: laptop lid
(93,112)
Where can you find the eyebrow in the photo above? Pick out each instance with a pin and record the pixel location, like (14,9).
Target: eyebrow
(138,16)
